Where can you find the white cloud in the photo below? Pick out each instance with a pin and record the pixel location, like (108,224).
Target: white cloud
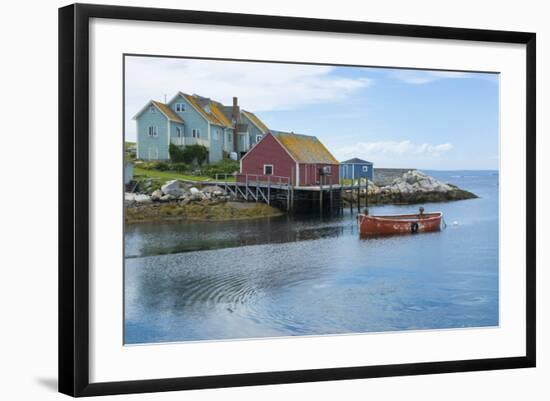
(259,86)
(388,149)
(419,77)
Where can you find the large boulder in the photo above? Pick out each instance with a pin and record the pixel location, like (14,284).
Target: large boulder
(174,188)
(415,181)
(167,198)
(156,195)
(213,190)
(129,199)
(142,199)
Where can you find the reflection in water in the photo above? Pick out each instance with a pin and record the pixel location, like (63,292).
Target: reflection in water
(176,237)
(283,277)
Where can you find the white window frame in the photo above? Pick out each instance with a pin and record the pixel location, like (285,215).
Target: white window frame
(152,131)
(259,138)
(178,132)
(196,133)
(272,169)
(153,109)
(365,169)
(180,107)
(327,169)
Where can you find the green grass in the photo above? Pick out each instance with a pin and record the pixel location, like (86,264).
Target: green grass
(347,181)
(163,176)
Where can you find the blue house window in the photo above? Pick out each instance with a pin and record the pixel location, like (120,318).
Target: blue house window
(180,107)
(196,133)
(365,169)
(152,109)
(258,138)
(153,131)
(178,132)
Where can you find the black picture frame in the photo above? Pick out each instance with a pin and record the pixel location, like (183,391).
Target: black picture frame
(74,198)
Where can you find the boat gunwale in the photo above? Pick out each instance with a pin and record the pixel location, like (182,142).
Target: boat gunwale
(405,217)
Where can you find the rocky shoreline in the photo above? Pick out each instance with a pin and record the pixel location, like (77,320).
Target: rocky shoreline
(411,188)
(177,200)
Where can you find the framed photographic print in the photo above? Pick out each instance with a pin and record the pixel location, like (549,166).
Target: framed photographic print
(250,199)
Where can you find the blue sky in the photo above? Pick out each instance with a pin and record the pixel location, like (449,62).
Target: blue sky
(393,117)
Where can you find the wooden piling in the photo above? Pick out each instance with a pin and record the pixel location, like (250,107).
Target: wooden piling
(292,198)
(330,196)
(351,198)
(288,197)
(367,194)
(359,195)
(321,194)
(269,190)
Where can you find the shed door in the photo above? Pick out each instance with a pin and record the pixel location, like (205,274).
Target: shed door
(153,153)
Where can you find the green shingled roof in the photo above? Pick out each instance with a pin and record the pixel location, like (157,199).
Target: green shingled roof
(305,148)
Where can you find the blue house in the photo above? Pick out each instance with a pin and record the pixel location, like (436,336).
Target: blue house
(196,120)
(355,168)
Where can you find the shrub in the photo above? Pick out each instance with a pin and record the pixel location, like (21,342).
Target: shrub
(196,153)
(222,167)
(180,167)
(176,154)
(160,166)
(189,154)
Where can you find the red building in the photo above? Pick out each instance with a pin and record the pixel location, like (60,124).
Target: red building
(301,159)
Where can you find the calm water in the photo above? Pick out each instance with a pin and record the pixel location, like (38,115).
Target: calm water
(304,276)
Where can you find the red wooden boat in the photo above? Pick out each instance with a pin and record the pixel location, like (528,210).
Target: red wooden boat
(399,224)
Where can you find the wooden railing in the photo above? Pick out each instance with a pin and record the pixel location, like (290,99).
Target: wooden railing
(254,179)
(185,140)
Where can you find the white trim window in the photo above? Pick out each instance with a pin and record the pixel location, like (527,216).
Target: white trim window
(180,107)
(153,109)
(178,132)
(259,138)
(196,133)
(152,131)
(365,169)
(268,169)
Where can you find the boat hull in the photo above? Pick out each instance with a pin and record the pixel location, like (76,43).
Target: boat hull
(399,224)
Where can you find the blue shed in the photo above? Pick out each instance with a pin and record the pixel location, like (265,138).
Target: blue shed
(355,168)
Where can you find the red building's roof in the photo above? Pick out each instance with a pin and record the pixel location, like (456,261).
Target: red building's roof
(304,148)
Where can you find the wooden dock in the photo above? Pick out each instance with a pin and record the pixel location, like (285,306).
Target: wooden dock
(279,192)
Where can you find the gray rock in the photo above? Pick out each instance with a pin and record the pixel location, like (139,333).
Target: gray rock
(213,189)
(195,197)
(167,198)
(175,188)
(156,195)
(194,191)
(142,199)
